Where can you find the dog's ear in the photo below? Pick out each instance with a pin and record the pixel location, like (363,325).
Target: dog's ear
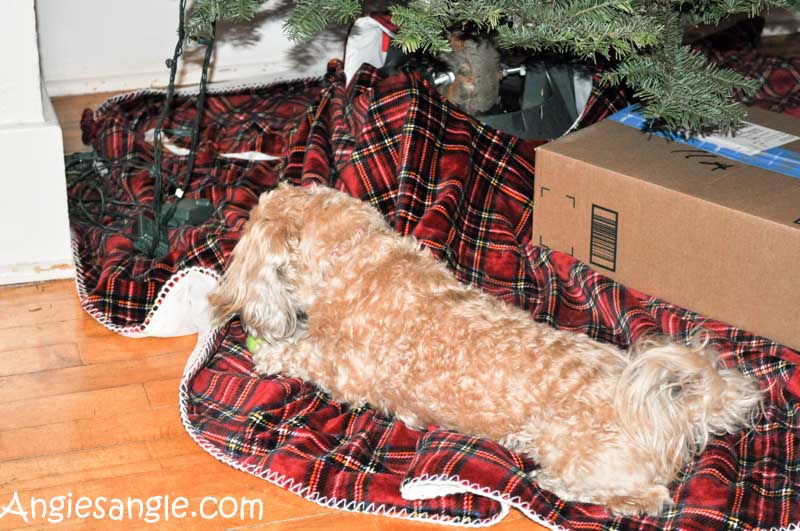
(256,281)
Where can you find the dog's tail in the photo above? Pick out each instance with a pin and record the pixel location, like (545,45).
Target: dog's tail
(671,397)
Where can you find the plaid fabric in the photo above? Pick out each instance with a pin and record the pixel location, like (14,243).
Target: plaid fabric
(779,77)
(465,191)
(120,286)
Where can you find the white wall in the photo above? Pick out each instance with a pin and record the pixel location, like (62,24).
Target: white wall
(20,101)
(96,46)
(107,45)
(34,235)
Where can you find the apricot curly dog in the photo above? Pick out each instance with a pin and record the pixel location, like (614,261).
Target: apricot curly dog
(341,300)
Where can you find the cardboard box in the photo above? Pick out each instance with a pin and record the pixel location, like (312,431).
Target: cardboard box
(715,235)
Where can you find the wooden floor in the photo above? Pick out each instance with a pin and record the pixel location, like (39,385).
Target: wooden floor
(69,110)
(86,411)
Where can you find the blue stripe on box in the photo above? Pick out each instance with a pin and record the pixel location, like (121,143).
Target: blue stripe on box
(774,159)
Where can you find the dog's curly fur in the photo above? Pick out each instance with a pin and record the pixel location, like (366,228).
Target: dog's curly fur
(343,301)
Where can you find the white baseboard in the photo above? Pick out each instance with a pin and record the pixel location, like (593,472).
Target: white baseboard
(34,225)
(156,79)
(35,272)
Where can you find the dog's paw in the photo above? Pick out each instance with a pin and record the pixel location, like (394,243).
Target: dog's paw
(268,367)
(410,419)
(649,501)
(267,360)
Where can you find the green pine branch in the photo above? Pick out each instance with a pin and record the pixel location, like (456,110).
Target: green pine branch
(641,39)
(713,11)
(205,13)
(310,17)
(610,29)
(679,89)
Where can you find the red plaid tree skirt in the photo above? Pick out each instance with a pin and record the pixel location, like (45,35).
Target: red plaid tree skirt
(122,288)
(779,77)
(465,191)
